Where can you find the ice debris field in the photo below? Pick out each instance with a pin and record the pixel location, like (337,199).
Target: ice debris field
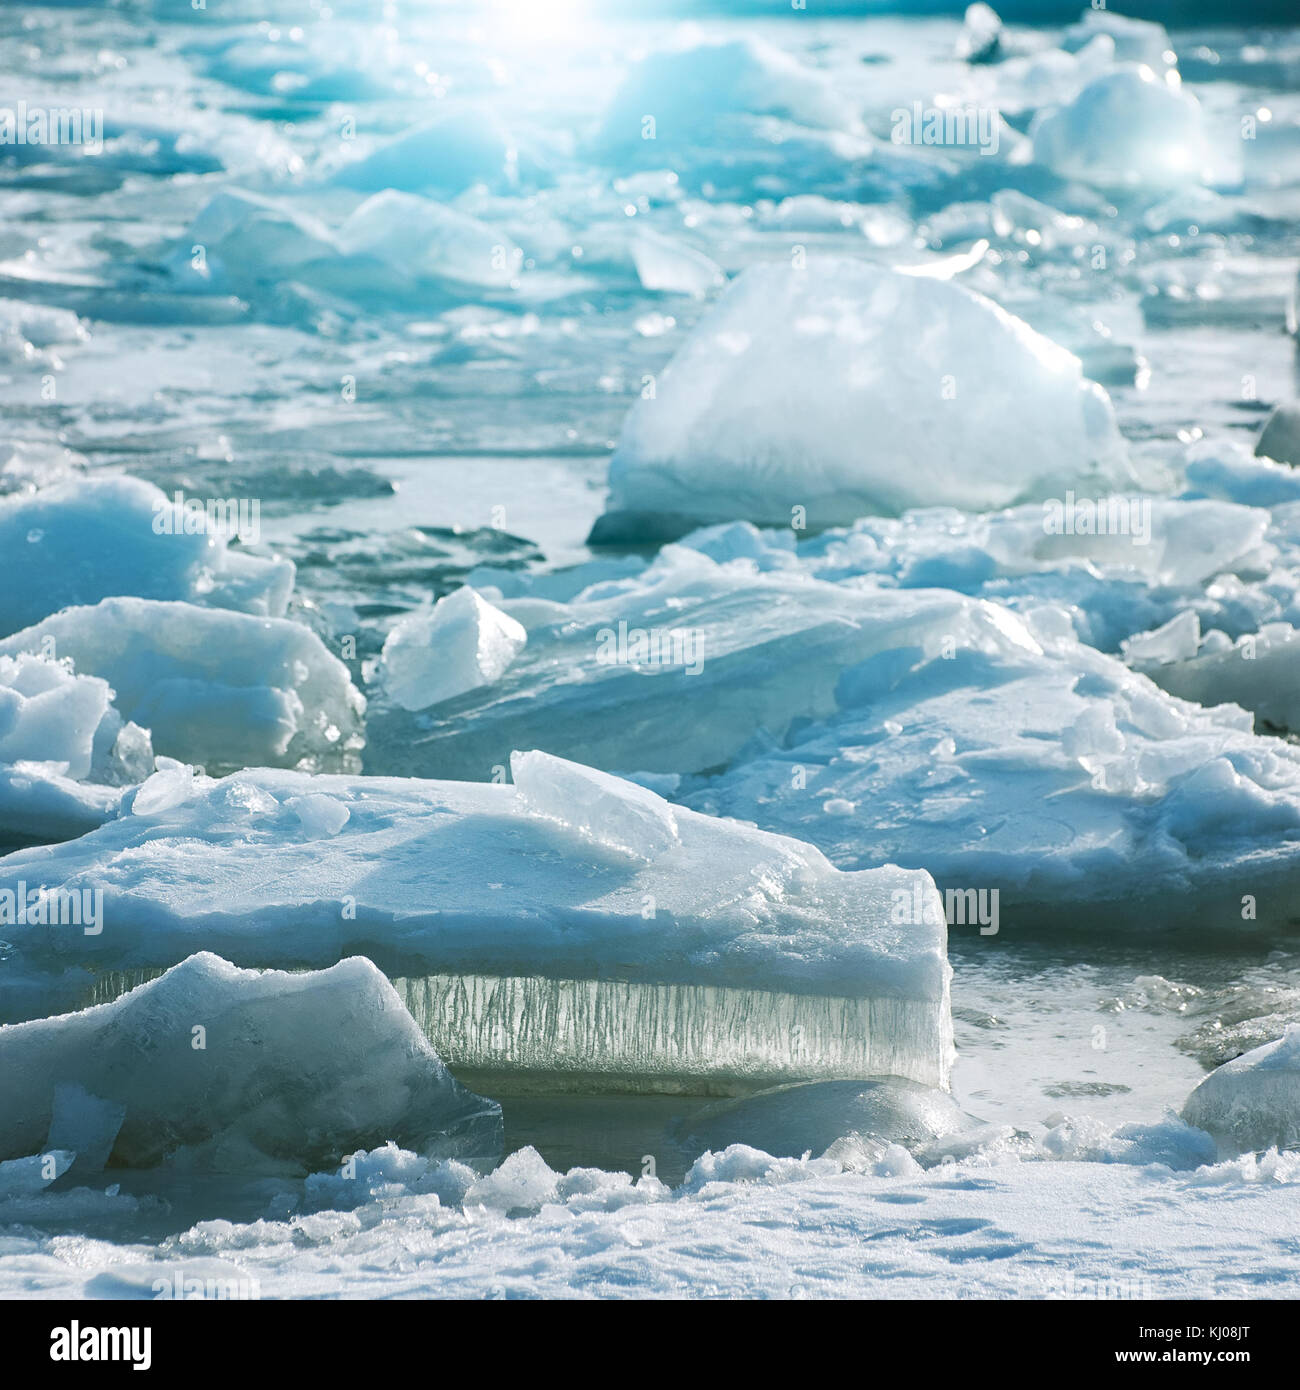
(646,656)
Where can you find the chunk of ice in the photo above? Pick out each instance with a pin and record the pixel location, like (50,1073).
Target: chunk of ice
(1126,129)
(1253,1102)
(727,960)
(844,389)
(219,688)
(92,538)
(240,1070)
(606,810)
(691,90)
(460,644)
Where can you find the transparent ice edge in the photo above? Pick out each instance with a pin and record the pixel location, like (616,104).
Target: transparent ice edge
(523,1033)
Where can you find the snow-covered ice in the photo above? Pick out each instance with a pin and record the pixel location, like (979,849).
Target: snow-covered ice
(820,393)
(691,961)
(213,1067)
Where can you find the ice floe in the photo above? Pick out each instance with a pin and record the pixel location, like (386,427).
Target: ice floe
(577,926)
(816,395)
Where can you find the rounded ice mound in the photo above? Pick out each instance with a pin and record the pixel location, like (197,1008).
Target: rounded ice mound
(91,538)
(675,97)
(219,688)
(1253,1101)
(848,389)
(297,1069)
(460,644)
(1126,129)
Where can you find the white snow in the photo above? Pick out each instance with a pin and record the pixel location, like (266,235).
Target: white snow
(213,1067)
(745,1225)
(821,394)
(460,644)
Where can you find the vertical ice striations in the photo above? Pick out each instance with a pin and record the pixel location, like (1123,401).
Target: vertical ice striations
(574,931)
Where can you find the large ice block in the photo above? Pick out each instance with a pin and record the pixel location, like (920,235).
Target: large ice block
(530,944)
(813,394)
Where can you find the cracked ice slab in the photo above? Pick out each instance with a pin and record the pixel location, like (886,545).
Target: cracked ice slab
(671,951)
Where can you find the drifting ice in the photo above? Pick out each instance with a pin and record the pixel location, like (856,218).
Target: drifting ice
(523,935)
(219,688)
(819,395)
(1253,1102)
(237,1070)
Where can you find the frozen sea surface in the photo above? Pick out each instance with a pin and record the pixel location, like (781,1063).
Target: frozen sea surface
(428,389)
